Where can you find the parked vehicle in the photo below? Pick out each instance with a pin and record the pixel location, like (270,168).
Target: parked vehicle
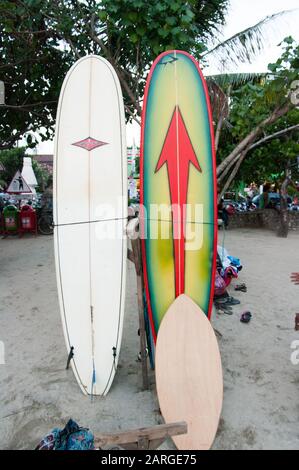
(273,197)
(294,207)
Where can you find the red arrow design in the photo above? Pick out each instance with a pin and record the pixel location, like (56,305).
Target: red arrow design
(178,153)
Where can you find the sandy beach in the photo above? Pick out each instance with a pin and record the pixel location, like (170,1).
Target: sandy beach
(261,385)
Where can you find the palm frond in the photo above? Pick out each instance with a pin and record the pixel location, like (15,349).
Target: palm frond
(243,47)
(233,80)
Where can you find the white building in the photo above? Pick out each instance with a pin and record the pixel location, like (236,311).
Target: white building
(28,174)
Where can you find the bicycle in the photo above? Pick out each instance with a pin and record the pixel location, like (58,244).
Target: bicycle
(45,222)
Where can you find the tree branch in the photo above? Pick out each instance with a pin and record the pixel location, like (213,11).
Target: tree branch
(23,109)
(70,43)
(218,132)
(132,115)
(277,113)
(263,141)
(95,38)
(127,88)
(41,103)
(14,138)
(228,168)
(14,64)
(119,71)
(274,136)
(232,175)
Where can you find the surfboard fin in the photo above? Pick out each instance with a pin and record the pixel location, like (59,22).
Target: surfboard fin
(93,380)
(114,357)
(70,357)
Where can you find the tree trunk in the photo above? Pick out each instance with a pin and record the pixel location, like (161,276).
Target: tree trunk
(218,132)
(283,226)
(228,168)
(232,175)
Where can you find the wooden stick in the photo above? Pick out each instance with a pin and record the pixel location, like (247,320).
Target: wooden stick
(146,438)
(133,234)
(130,255)
(138,266)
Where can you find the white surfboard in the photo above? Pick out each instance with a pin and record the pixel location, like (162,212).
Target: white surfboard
(90,216)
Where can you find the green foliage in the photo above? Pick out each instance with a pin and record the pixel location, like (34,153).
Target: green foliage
(252,103)
(32,69)
(41,39)
(12,161)
(137,165)
(42,176)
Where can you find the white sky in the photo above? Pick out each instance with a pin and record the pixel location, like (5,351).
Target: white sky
(241,15)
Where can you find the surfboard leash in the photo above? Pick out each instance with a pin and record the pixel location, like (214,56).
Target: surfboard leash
(93,380)
(90,222)
(93,377)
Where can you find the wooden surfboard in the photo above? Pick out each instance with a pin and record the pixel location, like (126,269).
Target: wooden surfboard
(90,214)
(178,187)
(189,374)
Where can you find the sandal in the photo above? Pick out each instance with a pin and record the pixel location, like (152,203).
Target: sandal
(232,301)
(225,311)
(220,300)
(245,317)
(224,308)
(241,287)
(228,301)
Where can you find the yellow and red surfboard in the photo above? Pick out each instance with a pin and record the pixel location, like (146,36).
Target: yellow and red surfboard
(178,187)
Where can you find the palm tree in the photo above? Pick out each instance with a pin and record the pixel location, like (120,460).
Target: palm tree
(241,48)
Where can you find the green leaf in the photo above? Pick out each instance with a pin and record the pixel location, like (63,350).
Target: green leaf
(163,33)
(102,15)
(272,67)
(134,38)
(171,20)
(175,6)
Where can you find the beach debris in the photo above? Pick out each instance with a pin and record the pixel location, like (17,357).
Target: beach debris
(246,317)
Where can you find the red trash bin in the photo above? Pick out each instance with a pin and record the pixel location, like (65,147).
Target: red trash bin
(28,220)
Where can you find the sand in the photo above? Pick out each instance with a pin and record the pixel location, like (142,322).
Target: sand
(261,386)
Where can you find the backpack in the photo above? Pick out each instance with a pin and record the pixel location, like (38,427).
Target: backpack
(71,437)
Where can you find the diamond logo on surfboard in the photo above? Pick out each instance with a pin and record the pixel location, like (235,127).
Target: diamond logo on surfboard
(90,143)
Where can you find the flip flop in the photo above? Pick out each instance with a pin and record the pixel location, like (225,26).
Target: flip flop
(223,308)
(245,317)
(228,312)
(241,287)
(232,301)
(225,311)
(220,300)
(228,301)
